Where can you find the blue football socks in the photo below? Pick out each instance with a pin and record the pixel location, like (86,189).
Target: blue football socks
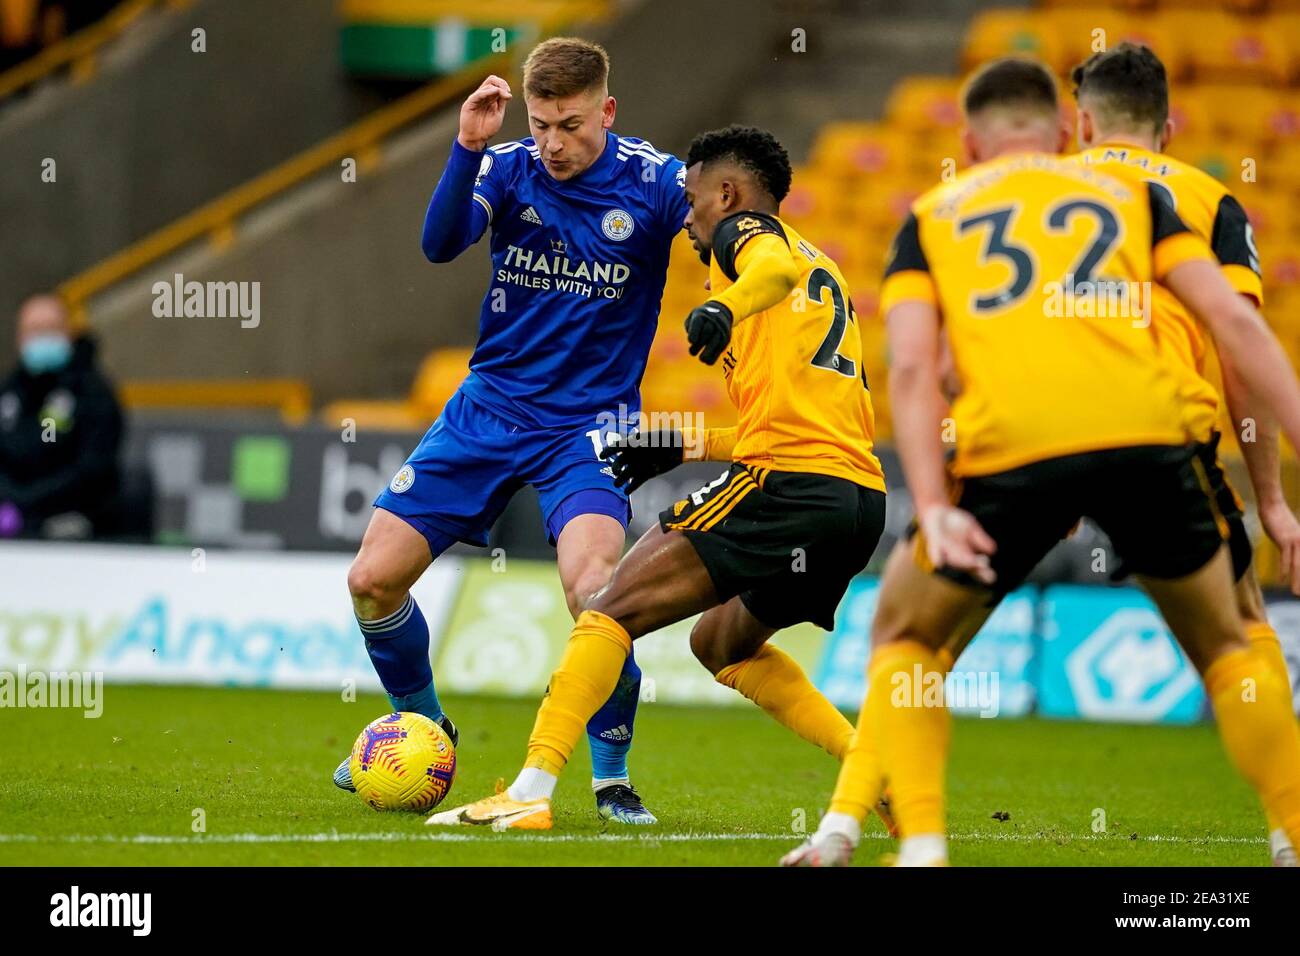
(398,646)
(610,729)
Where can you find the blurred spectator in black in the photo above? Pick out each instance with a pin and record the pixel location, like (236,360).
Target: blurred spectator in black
(60,431)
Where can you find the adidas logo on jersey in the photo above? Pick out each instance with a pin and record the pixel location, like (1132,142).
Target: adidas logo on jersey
(530,215)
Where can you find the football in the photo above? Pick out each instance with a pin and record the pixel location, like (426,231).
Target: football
(403,761)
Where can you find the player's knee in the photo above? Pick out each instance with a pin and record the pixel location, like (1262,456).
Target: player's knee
(371,593)
(580,593)
(886,627)
(613,603)
(1250,600)
(708,649)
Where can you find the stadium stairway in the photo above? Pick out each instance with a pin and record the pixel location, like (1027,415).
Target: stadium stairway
(348,303)
(160,128)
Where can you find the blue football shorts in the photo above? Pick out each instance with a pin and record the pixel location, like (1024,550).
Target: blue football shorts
(470,463)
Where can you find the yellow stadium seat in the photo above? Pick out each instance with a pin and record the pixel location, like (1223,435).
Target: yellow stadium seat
(1282,310)
(923,103)
(1242,49)
(1254,122)
(1246,6)
(1199,30)
(672,316)
(1272,218)
(813,195)
(439,376)
(400,415)
(855,149)
(1252,114)
(933,151)
(1192,117)
(670,338)
(1281,267)
(1282,169)
(687,385)
(1148,29)
(1085,31)
(1012,32)
(885,205)
(1285,24)
(848,247)
(1220,159)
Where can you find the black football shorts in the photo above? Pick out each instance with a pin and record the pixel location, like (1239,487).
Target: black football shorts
(788,543)
(1156,503)
(1230,506)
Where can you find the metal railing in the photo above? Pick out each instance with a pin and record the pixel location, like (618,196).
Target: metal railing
(217,219)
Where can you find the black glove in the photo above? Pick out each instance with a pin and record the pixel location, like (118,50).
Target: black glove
(638,457)
(708,329)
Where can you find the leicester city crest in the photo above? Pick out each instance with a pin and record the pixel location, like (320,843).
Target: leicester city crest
(617,224)
(403,480)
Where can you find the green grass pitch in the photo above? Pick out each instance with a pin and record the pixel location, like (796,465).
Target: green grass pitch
(729,785)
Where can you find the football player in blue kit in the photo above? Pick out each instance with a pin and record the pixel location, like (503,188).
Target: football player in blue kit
(582,220)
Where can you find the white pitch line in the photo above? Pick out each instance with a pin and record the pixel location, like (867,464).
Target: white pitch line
(644,838)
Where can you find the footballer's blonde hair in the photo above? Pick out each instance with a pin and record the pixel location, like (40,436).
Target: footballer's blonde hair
(565,66)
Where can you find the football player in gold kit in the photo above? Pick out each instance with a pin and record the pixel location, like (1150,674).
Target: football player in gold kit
(777,537)
(1123,126)
(1060,415)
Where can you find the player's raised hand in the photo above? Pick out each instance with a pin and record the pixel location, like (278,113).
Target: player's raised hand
(639,456)
(1283,530)
(708,329)
(483,113)
(954,539)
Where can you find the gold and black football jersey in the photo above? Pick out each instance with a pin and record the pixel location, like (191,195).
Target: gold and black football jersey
(1042,269)
(794,370)
(1209,210)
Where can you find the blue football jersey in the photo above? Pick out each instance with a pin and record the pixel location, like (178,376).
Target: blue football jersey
(578,271)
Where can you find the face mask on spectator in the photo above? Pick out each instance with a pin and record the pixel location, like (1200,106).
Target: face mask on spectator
(46,353)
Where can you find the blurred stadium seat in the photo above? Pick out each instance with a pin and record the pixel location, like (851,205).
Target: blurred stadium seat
(1230,64)
(439,376)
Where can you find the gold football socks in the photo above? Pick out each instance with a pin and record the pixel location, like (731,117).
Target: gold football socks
(908,717)
(1252,703)
(584,679)
(773,680)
